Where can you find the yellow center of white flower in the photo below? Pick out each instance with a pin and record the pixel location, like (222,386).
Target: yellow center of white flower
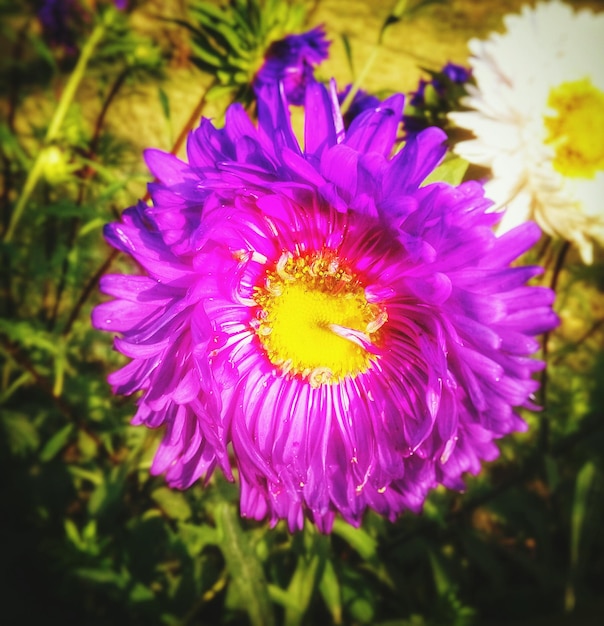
(577,131)
(314,320)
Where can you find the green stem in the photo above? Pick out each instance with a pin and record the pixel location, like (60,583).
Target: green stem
(244,567)
(360,78)
(544,434)
(396,15)
(55,125)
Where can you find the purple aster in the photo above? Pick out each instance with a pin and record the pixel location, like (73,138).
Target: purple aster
(361,102)
(457,73)
(292,61)
(435,98)
(314,317)
(59,20)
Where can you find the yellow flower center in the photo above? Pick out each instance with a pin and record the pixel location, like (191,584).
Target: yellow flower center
(577,131)
(314,321)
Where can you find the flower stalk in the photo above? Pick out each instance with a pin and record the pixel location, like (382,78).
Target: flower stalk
(243,565)
(55,125)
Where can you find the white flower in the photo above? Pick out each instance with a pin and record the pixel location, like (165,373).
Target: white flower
(538,118)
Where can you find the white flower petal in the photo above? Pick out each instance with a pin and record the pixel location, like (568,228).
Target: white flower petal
(515,72)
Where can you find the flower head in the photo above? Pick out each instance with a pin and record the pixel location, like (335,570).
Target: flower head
(59,20)
(292,61)
(538,118)
(353,337)
(360,102)
(435,98)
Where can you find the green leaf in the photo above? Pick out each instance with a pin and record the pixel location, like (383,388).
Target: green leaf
(329,586)
(172,503)
(282,597)
(306,576)
(87,445)
(348,51)
(244,567)
(54,445)
(104,576)
(452,171)
(29,336)
(107,497)
(586,488)
(551,471)
(357,596)
(358,539)
(164,102)
(442,580)
(196,537)
(44,51)
(141,593)
(21,435)
(94,477)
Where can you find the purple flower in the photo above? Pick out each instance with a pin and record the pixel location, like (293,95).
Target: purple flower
(352,337)
(292,61)
(62,19)
(59,20)
(435,98)
(361,102)
(457,73)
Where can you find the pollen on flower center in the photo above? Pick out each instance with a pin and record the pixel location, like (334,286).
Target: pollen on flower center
(577,131)
(314,321)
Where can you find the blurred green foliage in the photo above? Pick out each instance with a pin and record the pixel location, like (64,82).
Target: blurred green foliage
(88,537)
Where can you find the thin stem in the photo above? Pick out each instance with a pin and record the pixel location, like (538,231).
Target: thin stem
(206,597)
(70,413)
(55,125)
(243,565)
(543,419)
(190,123)
(85,173)
(90,285)
(360,78)
(397,13)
